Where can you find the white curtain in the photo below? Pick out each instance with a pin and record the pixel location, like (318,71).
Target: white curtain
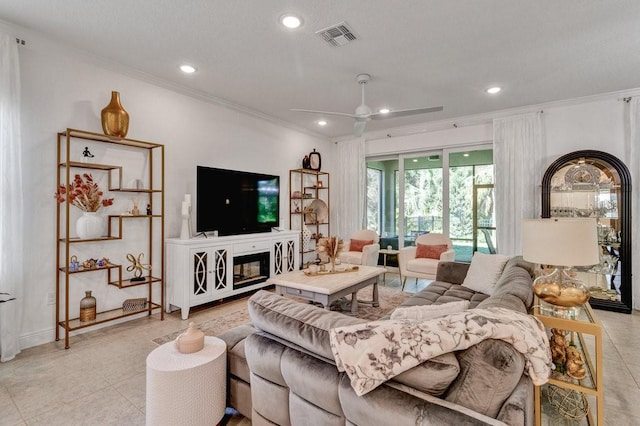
(518,144)
(632,155)
(11,192)
(351,186)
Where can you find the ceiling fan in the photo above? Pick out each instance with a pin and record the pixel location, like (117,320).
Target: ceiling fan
(363,112)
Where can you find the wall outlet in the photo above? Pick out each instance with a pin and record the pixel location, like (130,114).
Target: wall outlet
(51,298)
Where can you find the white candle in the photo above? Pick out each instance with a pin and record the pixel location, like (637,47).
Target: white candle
(187,198)
(185,208)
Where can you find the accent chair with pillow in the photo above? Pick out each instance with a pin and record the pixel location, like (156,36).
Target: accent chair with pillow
(421,260)
(361,249)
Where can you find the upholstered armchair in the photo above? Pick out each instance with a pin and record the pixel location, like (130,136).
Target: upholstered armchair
(421,260)
(361,249)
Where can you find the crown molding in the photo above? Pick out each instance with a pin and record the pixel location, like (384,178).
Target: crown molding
(486,118)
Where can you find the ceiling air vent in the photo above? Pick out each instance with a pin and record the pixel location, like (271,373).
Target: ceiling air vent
(338,35)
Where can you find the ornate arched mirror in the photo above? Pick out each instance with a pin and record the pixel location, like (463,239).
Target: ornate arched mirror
(596,184)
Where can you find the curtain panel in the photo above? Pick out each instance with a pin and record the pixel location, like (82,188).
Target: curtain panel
(11,204)
(351,186)
(632,154)
(518,143)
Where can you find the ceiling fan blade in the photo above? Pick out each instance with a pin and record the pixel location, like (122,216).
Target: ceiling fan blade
(404,113)
(324,112)
(358,127)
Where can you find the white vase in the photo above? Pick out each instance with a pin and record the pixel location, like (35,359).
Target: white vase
(89,226)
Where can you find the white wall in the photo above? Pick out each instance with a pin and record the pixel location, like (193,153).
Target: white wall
(62,89)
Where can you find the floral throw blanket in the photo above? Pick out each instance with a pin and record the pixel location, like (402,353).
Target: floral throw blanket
(374,352)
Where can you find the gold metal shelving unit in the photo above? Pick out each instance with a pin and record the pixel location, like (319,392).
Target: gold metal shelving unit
(64,239)
(311,185)
(579,322)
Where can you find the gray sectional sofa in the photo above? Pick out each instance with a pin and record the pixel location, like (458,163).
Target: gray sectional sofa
(286,357)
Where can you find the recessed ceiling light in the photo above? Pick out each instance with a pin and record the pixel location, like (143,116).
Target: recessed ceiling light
(493,90)
(187,69)
(384,110)
(322,122)
(466,154)
(291,21)
(415,160)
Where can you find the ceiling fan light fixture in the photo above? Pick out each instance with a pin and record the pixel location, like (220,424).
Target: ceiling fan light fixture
(493,90)
(291,21)
(187,69)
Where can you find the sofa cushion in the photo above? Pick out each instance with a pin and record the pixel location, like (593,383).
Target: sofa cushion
(235,339)
(516,279)
(440,292)
(423,266)
(426,312)
(484,272)
(490,371)
(354,257)
(297,324)
(357,245)
(433,376)
(430,251)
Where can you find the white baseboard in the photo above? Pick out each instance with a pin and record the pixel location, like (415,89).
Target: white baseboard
(49,335)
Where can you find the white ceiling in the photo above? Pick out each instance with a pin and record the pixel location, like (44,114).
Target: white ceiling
(420,53)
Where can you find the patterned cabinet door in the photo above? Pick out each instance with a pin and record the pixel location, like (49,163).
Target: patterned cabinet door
(221,258)
(278,258)
(209,271)
(291,255)
(200,286)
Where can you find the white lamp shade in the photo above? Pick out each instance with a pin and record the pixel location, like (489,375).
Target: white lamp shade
(561,241)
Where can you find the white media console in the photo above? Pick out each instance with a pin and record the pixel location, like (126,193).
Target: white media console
(200,270)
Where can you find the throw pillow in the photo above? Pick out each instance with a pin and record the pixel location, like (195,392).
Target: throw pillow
(427,312)
(430,251)
(358,245)
(484,272)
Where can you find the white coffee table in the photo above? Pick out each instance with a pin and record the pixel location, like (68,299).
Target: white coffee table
(327,288)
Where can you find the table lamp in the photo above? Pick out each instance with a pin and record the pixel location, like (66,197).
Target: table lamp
(561,243)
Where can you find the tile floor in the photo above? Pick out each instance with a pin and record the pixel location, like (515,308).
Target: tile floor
(101,380)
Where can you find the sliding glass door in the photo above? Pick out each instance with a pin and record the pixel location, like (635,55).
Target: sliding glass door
(422,196)
(382,200)
(471,202)
(444,191)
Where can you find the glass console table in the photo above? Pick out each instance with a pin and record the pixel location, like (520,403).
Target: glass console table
(582,330)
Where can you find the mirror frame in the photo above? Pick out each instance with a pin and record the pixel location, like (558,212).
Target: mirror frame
(624,213)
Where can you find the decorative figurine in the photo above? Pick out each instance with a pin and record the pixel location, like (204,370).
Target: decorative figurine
(135,210)
(75,265)
(87,155)
(136,267)
(149,210)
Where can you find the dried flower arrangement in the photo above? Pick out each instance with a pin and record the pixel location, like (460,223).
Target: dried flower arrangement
(331,247)
(84,193)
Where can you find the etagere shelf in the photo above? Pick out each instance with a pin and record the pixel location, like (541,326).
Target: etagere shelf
(585,333)
(152,155)
(309,197)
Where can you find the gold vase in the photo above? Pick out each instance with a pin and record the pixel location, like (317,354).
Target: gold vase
(115,120)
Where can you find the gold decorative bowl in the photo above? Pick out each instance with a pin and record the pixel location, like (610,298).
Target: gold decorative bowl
(566,293)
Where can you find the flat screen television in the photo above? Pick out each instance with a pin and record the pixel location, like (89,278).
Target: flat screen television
(235,202)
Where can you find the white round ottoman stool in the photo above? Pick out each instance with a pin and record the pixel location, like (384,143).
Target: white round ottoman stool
(187,389)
